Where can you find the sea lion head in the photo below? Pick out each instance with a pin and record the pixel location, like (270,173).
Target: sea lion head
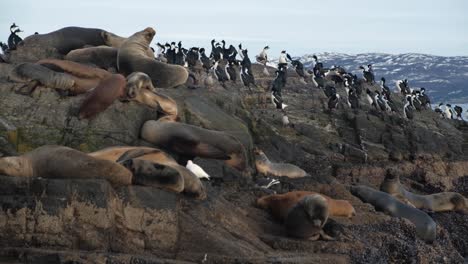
(149,33)
(391,174)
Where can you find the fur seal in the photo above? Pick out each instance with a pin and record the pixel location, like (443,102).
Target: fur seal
(101,97)
(438,202)
(102,56)
(280,204)
(132,57)
(191,185)
(265,166)
(140,88)
(69,38)
(425,226)
(307,218)
(190,141)
(62,162)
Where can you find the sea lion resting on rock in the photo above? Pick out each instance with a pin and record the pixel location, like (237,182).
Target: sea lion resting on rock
(35,74)
(63,162)
(102,56)
(133,57)
(190,141)
(307,218)
(69,38)
(438,202)
(280,204)
(140,89)
(100,98)
(190,185)
(425,226)
(265,166)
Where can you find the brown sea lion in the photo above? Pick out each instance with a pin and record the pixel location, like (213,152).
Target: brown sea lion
(280,204)
(63,162)
(133,57)
(192,185)
(102,56)
(101,97)
(190,141)
(425,227)
(69,38)
(307,218)
(265,166)
(438,202)
(140,89)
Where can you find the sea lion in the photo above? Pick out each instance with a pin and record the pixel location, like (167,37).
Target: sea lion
(280,204)
(85,77)
(438,202)
(34,74)
(154,174)
(69,38)
(425,226)
(265,166)
(307,218)
(100,98)
(190,141)
(141,89)
(132,57)
(192,185)
(62,162)
(102,56)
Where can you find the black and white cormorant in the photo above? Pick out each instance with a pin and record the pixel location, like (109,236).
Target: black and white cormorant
(246,73)
(408,111)
(231,71)
(458,110)
(371,98)
(206,62)
(180,55)
(14,39)
(333,101)
(368,76)
(216,51)
(385,89)
(263,56)
(192,57)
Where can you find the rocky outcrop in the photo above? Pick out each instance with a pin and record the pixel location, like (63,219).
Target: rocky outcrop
(81,221)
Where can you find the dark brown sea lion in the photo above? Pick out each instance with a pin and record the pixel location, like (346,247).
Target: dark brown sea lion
(307,218)
(425,226)
(69,38)
(133,57)
(63,162)
(280,204)
(438,202)
(101,97)
(190,141)
(192,185)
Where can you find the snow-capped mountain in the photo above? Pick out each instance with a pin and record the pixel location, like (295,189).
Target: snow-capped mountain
(445,78)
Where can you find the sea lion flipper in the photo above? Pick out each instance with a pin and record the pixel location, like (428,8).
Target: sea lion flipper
(28,88)
(135,153)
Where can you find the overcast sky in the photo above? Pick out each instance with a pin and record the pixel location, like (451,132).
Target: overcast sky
(299,26)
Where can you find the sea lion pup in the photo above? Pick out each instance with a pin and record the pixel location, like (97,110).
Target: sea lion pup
(103,57)
(190,141)
(307,218)
(140,88)
(132,57)
(63,162)
(265,166)
(69,38)
(438,202)
(101,97)
(192,185)
(425,226)
(34,74)
(280,204)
